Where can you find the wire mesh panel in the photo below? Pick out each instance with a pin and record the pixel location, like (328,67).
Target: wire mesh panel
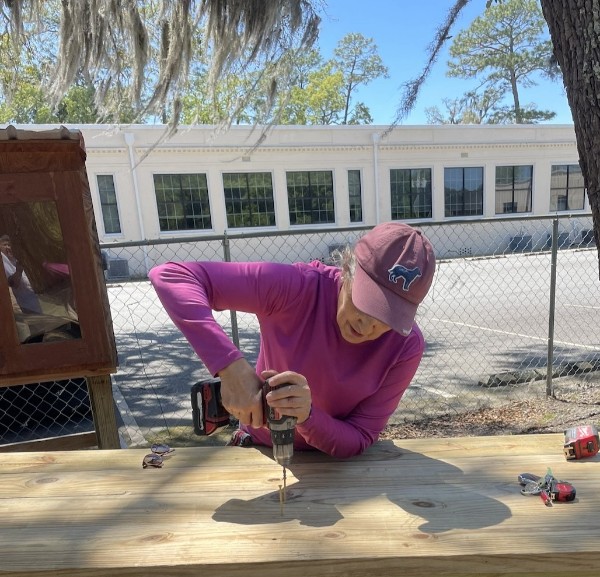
(487,318)
(42,410)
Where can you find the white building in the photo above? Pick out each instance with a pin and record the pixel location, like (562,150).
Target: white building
(204,181)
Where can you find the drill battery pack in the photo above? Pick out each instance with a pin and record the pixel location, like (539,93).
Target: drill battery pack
(208,413)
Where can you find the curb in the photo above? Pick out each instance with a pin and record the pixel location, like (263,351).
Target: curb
(540,374)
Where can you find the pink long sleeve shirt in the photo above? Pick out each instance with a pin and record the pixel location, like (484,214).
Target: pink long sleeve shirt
(354,387)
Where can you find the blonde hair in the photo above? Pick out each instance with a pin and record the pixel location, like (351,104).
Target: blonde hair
(345,260)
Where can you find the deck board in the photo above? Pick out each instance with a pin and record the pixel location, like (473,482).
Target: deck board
(416,508)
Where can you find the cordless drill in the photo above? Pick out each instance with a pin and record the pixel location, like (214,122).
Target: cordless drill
(208,414)
(282,431)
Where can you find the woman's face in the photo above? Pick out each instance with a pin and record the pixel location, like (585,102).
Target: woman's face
(5,247)
(356,326)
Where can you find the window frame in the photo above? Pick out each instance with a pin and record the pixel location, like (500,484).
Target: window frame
(481,193)
(184,217)
(557,198)
(355,201)
(309,184)
(412,196)
(515,203)
(103,204)
(246,204)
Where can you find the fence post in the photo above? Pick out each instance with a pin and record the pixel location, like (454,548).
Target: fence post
(553,258)
(235,337)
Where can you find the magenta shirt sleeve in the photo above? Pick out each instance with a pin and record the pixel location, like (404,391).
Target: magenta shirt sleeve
(189,295)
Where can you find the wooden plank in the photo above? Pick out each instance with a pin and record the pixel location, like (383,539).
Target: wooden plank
(62,443)
(56,375)
(416,508)
(549,445)
(105,420)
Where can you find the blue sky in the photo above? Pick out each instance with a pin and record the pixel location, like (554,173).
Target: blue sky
(402,30)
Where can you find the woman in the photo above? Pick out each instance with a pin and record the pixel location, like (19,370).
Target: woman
(17,279)
(344,341)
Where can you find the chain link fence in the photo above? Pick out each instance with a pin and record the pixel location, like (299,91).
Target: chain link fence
(43,410)
(511,297)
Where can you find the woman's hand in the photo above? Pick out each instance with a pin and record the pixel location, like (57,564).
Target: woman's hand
(293,399)
(241,393)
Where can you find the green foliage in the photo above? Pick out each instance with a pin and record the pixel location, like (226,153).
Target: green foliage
(296,87)
(24,98)
(503,50)
(360,114)
(471,108)
(206,104)
(319,102)
(322,93)
(483,108)
(143,51)
(357,59)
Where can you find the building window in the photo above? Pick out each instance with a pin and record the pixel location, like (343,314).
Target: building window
(249,199)
(310,197)
(513,188)
(463,191)
(410,193)
(567,191)
(561,202)
(182,202)
(108,203)
(355,196)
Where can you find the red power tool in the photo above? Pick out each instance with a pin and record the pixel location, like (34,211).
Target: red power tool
(208,414)
(581,442)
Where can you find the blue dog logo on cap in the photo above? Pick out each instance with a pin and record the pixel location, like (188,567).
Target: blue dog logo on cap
(408,275)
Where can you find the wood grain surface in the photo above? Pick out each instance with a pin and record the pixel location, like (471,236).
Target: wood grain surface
(412,508)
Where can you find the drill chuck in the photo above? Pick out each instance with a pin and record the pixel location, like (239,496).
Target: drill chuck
(282,437)
(282,432)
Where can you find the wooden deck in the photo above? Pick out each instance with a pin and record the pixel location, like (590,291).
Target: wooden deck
(414,508)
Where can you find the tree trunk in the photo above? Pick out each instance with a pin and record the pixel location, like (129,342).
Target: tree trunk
(516,100)
(574,26)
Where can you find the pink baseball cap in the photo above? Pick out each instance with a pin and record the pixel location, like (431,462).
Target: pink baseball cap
(395,264)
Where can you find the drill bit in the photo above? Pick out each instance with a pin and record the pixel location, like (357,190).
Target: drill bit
(281,500)
(284,484)
(283,491)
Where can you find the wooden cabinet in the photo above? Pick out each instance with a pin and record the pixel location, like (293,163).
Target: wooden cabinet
(54,309)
